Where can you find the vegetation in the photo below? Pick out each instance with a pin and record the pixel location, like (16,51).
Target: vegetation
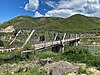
(73,54)
(74,23)
(81,70)
(26,71)
(45,55)
(81,54)
(33,71)
(1,43)
(28,46)
(7,54)
(14,57)
(10,57)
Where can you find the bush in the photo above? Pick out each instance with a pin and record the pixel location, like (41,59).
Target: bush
(33,71)
(76,50)
(45,55)
(81,70)
(28,46)
(1,43)
(98,67)
(81,55)
(9,57)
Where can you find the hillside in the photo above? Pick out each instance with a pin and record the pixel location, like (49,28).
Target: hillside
(74,23)
(27,22)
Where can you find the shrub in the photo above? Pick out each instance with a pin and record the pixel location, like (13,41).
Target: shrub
(33,71)
(98,67)
(28,46)
(81,70)
(45,55)
(82,55)
(1,43)
(76,50)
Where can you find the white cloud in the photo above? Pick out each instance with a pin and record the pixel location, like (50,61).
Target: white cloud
(63,4)
(97,14)
(32,5)
(59,13)
(37,14)
(51,3)
(91,7)
(66,8)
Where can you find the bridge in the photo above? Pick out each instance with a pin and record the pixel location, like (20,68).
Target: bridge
(47,44)
(42,39)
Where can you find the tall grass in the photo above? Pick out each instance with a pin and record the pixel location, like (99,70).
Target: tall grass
(81,54)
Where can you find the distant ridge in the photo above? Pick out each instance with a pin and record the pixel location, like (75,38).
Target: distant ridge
(74,23)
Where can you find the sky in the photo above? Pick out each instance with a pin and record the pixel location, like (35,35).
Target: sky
(48,8)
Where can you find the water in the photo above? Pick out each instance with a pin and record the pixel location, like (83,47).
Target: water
(95,50)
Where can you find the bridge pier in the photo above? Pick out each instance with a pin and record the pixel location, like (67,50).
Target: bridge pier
(76,43)
(59,48)
(63,48)
(73,43)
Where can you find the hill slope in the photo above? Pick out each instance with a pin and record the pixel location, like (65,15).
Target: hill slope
(74,23)
(27,22)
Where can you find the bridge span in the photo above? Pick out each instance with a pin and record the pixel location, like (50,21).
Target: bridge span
(47,44)
(42,39)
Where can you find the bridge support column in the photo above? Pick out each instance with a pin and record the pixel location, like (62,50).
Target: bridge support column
(58,49)
(63,49)
(2,51)
(76,43)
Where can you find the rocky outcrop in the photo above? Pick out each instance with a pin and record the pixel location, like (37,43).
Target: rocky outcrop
(58,68)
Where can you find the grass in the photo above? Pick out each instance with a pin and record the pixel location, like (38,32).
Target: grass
(45,55)
(31,71)
(9,57)
(7,54)
(73,54)
(76,23)
(81,54)
(81,70)
(90,40)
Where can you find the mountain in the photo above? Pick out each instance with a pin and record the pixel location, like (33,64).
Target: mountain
(27,22)
(75,23)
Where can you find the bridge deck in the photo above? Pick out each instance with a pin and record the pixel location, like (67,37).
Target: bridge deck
(42,45)
(47,44)
(7,50)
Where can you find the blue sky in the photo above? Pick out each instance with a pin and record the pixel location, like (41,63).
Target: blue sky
(12,8)
(50,8)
